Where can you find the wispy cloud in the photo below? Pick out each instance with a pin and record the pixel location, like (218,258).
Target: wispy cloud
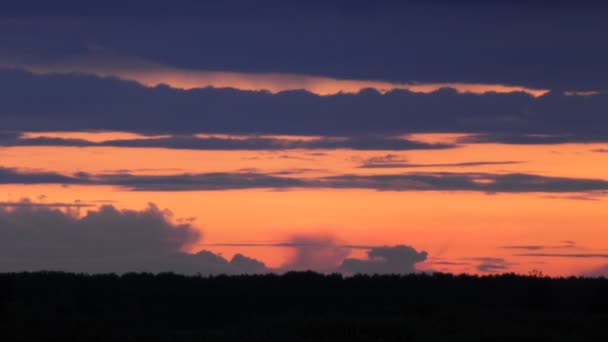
(430,181)
(228,142)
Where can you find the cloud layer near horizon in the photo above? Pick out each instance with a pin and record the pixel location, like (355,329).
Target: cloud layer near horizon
(36,237)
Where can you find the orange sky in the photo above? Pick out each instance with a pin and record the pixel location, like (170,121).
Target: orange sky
(451,226)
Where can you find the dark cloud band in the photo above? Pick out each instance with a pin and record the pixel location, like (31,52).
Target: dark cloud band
(77,103)
(429,181)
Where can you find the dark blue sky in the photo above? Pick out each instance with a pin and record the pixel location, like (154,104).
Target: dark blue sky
(547,44)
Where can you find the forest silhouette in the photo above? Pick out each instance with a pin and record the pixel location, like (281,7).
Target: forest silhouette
(300,306)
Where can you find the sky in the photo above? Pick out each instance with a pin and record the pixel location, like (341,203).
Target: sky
(339,136)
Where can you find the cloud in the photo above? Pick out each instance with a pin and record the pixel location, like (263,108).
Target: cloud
(592,196)
(367,120)
(601,150)
(601,271)
(429,181)
(399,259)
(37,237)
(27,203)
(485,182)
(491,265)
(324,253)
(532,139)
(563,245)
(315,252)
(566,255)
(14,176)
(251,142)
(205,181)
(395,162)
(106,240)
(445,181)
(106,63)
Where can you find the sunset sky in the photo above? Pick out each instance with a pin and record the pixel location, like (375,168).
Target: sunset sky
(339,136)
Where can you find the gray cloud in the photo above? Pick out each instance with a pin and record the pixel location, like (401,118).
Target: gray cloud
(490,264)
(324,253)
(563,245)
(14,176)
(601,271)
(205,181)
(399,259)
(41,237)
(27,203)
(486,182)
(225,143)
(391,161)
(590,196)
(106,240)
(315,252)
(77,102)
(429,181)
(565,255)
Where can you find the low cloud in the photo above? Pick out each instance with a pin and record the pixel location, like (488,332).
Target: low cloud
(601,271)
(399,259)
(315,252)
(40,237)
(491,265)
(324,253)
(106,240)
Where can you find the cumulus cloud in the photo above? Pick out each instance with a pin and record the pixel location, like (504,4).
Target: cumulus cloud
(106,240)
(40,237)
(315,252)
(386,260)
(324,253)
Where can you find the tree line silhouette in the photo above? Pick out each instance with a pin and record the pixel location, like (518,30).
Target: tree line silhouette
(300,306)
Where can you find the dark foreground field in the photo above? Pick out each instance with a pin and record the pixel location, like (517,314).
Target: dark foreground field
(301,307)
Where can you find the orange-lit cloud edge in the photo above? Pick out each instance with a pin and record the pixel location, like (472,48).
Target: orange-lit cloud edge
(105,63)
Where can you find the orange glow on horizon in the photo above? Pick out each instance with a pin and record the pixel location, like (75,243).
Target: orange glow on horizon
(468,224)
(456,226)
